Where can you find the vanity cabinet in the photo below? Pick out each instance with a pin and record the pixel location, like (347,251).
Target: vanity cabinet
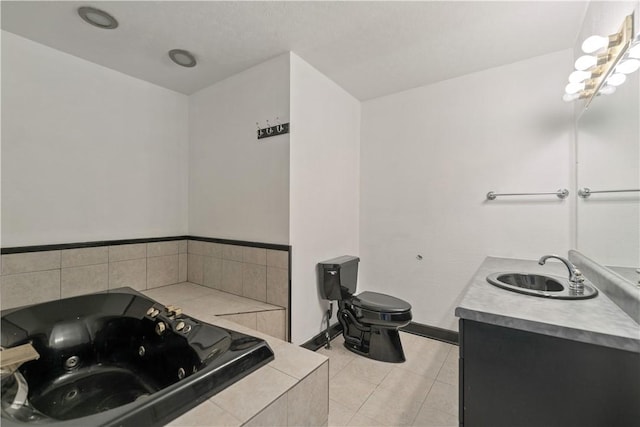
(510,378)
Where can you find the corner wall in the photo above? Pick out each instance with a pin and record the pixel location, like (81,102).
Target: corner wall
(428,158)
(88,153)
(324,187)
(239,185)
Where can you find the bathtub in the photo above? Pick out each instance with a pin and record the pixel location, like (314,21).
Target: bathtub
(118,359)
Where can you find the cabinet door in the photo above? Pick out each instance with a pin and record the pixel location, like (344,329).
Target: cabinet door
(515,378)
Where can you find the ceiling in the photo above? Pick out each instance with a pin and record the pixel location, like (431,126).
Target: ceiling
(370,49)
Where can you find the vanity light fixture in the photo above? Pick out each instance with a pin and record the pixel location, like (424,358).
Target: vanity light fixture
(616,79)
(182,57)
(580,76)
(610,59)
(596,43)
(97,18)
(628,66)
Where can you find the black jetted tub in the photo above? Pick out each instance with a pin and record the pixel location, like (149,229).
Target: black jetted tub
(118,359)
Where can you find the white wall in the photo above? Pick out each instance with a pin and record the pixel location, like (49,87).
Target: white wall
(238,185)
(88,153)
(428,158)
(324,195)
(608,149)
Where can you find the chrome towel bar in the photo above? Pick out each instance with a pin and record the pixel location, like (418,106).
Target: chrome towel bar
(562,194)
(586,192)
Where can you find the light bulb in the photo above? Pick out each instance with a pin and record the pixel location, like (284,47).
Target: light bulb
(607,90)
(579,76)
(634,52)
(595,43)
(568,97)
(572,88)
(585,62)
(628,66)
(616,79)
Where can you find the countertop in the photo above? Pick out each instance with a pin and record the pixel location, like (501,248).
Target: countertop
(596,321)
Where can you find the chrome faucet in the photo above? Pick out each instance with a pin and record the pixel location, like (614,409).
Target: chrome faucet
(576,280)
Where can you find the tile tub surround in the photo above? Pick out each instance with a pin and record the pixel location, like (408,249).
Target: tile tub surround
(34,277)
(193,298)
(258,273)
(292,390)
(596,321)
(623,293)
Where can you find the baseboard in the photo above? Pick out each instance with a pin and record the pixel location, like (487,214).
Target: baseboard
(320,340)
(414,328)
(432,332)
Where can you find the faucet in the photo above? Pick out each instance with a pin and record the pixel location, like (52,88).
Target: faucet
(576,280)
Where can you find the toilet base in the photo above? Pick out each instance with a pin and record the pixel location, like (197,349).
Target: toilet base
(374,342)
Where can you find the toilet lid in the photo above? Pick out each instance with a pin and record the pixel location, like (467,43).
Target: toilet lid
(380,302)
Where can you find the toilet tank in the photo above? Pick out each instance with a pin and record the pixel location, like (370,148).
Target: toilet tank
(338,277)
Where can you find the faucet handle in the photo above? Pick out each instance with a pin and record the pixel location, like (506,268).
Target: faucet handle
(578,275)
(577,283)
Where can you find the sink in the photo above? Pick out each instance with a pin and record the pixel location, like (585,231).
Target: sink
(539,285)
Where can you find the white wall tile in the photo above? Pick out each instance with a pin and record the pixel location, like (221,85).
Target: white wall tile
(30,261)
(84,280)
(127,252)
(84,256)
(29,288)
(162,270)
(131,273)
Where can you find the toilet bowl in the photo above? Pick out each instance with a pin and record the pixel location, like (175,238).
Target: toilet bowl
(369,320)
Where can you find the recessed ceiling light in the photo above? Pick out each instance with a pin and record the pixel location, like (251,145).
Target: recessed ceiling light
(182,57)
(97,18)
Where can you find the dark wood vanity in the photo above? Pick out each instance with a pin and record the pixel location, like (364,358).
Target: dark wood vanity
(510,378)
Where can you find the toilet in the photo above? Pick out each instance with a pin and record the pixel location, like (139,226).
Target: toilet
(369,320)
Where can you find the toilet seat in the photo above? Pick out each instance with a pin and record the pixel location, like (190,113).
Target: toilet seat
(374,301)
(374,309)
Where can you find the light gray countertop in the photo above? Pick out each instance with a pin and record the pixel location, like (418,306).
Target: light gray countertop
(596,321)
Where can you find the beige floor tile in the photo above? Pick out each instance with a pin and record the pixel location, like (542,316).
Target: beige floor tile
(403,382)
(443,397)
(339,357)
(367,370)
(397,405)
(429,416)
(384,394)
(350,391)
(424,356)
(339,415)
(450,368)
(360,420)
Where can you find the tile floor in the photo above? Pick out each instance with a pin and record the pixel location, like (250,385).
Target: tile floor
(423,391)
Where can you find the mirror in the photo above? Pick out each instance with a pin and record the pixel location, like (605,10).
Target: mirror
(608,158)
